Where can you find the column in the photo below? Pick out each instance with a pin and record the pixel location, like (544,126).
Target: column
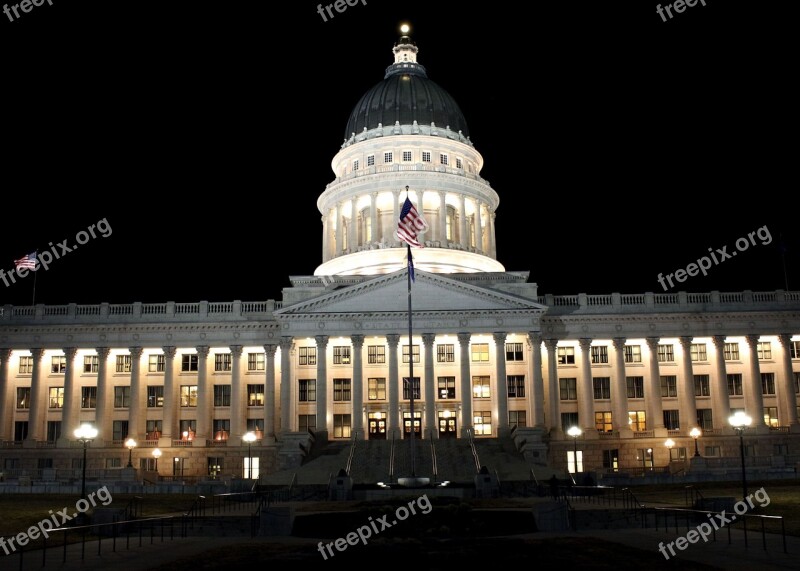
(655,410)
(238,410)
(785,388)
(753,397)
(429,382)
(719,393)
(6,398)
(169,427)
(322,387)
(393,417)
(686,388)
(269,394)
(478,228)
(373,212)
(554,420)
(102,418)
(352,240)
(135,405)
(620,390)
(38,396)
(466,383)
(501,382)
(442,234)
(490,214)
(391,239)
(463,237)
(69,411)
(358,386)
(286,384)
(326,239)
(204,397)
(586,390)
(339,231)
(536,400)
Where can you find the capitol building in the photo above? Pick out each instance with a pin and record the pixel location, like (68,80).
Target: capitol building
(330,361)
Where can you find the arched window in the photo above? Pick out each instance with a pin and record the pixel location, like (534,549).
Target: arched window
(451,224)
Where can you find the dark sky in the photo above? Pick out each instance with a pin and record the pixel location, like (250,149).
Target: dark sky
(621,146)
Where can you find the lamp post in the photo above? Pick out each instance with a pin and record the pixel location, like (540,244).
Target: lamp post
(574,431)
(669,443)
(156,455)
(85,434)
(652,460)
(740,421)
(249,437)
(695,433)
(130,443)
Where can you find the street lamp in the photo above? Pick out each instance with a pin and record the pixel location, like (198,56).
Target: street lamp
(652,460)
(669,443)
(695,433)
(249,437)
(85,434)
(156,455)
(574,431)
(131,444)
(740,421)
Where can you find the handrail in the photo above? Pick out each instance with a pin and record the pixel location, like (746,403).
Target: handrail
(352,453)
(474,451)
(293,483)
(534,478)
(434,464)
(692,493)
(391,459)
(134,508)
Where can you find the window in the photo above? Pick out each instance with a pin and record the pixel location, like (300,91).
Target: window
(445,354)
(566,355)
(672,419)
(669,386)
(388,157)
(155,396)
(767,383)
(517,418)
(443,159)
(599,354)
(635,387)
(780,449)
(307,356)
(153,429)
(341,390)
(222,429)
(341,355)
(376,389)
(666,354)
(415,352)
(734,384)
(376,354)
(88,397)
(677,454)
(188,362)
(480,388)
(370,160)
(426,156)
(633,354)
(446,387)
(698,352)
(355,165)
(406,392)
(222,395)
(459,163)
(794,349)
(255,361)
(188,428)
(705,418)
(215,464)
(341,426)
(255,395)
(602,387)
(24,397)
(731,351)
(26,365)
(155,364)
(771,416)
(56,397)
(713,451)
(764,351)
(222,361)
(406,156)
(636,420)
(513,351)
(516,386)
(797,383)
(188,395)
(483,422)
(114,462)
(611,459)
(53,430)
(702,387)
(568,388)
(123,364)
(308,390)
(119,429)
(307,422)
(122,397)
(480,352)
(602,421)
(20,430)
(90,363)
(568,420)
(44,463)
(59,364)
(255,425)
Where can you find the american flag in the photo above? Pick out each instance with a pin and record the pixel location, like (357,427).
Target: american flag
(28,262)
(411,224)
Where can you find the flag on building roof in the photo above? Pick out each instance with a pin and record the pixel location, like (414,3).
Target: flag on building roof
(411,225)
(28,262)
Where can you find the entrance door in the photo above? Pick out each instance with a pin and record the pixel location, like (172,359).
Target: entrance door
(407,424)
(447,424)
(376,421)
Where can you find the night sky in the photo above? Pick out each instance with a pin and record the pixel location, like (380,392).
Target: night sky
(621,146)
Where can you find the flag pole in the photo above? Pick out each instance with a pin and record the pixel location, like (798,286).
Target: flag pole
(33,301)
(411,365)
